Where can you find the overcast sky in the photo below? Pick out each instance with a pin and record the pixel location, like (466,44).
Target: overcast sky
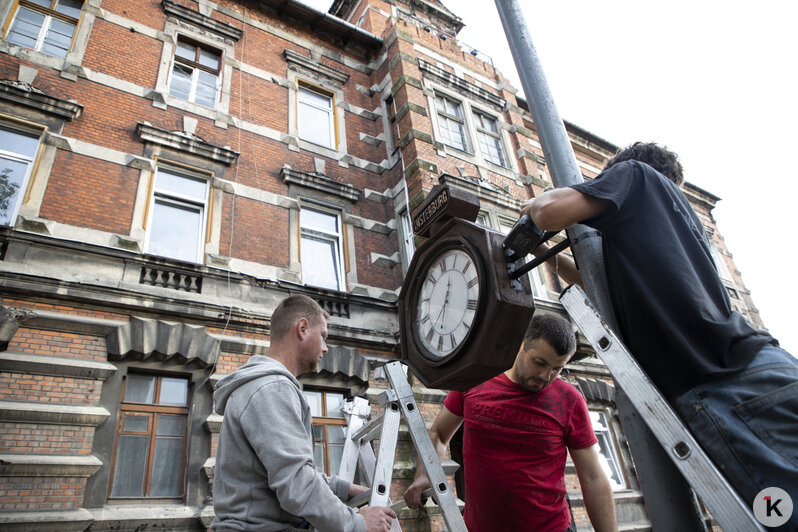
(713,80)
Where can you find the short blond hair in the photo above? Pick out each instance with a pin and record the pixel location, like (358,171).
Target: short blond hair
(291,309)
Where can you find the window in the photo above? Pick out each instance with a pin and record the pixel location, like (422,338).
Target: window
(320,248)
(328,429)
(489,138)
(408,242)
(177,216)
(484,219)
(720,262)
(607,456)
(45,26)
(17,152)
(451,123)
(195,74)
(316,116)
(151,437)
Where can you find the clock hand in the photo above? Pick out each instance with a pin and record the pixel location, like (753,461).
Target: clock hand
(446,300)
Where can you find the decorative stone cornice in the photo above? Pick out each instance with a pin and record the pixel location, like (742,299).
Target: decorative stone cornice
(345,361)
(225,30)
(50,414)
(460,84)
(596,390)
(56,366)
(320,183)
(298,60)
(48,465)
(23,94)
(185,142)
(148,338)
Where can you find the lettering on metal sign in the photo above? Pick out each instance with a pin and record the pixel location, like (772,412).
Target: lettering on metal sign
(431,211)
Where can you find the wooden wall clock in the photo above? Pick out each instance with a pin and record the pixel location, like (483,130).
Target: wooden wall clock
(461,319)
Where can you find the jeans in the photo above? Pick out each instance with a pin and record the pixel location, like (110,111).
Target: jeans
(748,424)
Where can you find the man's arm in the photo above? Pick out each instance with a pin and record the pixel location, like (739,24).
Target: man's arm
(559,209)
(595,489)
(441,432)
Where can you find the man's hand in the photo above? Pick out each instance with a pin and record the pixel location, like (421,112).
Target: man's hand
(378,518)
(413,493)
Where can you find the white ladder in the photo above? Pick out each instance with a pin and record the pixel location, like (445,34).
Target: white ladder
(399,404)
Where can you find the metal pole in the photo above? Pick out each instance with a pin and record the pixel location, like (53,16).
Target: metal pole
(668,498)
(560,158)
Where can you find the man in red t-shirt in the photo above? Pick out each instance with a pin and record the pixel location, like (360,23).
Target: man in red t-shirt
(517,428)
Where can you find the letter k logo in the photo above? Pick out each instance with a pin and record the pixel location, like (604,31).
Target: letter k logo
(772,506)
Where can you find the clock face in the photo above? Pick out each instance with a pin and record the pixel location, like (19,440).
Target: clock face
(447,302)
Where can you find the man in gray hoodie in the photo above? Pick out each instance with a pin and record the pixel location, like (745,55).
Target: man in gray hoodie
(264,479)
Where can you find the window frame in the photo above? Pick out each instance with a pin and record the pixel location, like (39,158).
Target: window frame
(488,134)
(338,238)
(152,410)
(408,236)
(305,86)
(613,461)
(31,164)
(325,421)
(180,200)
(444,116)
(49,14)
(196,67)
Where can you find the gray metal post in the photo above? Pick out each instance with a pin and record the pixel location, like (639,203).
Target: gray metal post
(677,510)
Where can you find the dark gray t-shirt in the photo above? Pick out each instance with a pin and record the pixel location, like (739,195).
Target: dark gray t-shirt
(673,311)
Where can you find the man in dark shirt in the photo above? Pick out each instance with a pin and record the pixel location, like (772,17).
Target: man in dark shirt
(733,385)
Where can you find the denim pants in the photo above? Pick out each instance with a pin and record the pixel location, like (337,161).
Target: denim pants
(748,424)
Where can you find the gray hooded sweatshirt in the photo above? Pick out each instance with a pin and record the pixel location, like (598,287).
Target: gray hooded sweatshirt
(264,479)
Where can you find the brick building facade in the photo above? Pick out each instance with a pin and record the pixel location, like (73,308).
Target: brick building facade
(171,169)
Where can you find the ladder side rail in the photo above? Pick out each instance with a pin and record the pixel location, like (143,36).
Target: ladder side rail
(356,414)
(383,470)
(714,490)
(441,491)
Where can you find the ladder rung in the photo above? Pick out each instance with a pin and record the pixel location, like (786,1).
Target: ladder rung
(401,505)
(369,431)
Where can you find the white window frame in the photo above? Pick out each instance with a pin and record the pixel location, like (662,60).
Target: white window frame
(444,118)
(609,464)
(195,70)
(335,238)
(484,135)
(17,157)
(720,264)
(49,15)
(181,200)
(408,236)
(303,88)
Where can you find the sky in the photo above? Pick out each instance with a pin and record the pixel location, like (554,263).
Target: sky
(714,81)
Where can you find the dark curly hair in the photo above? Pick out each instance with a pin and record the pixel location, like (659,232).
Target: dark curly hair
(555,330)
(658,157)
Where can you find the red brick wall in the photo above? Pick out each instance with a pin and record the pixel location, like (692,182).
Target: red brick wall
(90,193)
(41,493)
(60,344)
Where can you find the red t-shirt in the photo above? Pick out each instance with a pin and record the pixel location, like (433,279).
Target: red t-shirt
(514,449)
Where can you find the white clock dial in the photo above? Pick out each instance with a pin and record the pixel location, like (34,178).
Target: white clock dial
(447,302)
